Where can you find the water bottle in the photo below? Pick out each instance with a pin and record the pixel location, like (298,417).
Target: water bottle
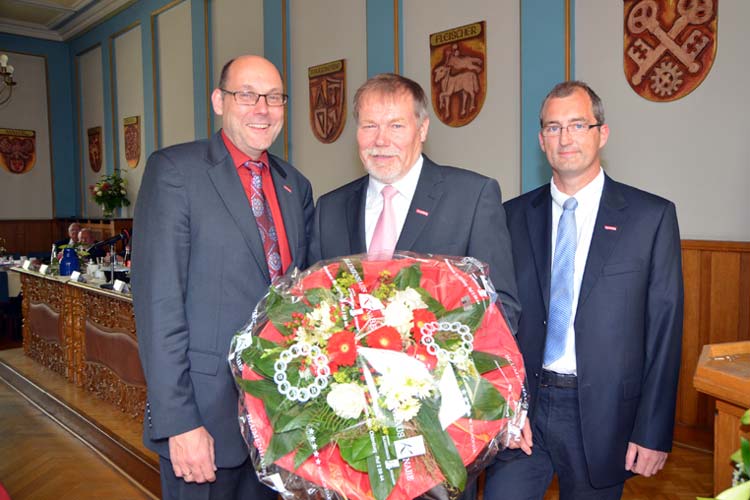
(69,262)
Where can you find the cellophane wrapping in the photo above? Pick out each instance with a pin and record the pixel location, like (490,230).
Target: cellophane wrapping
(388,379)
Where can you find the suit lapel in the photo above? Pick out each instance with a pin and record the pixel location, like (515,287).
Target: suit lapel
(355,217)
(226,181)
(288,205)
(538,222)
(428,193)
(612,214)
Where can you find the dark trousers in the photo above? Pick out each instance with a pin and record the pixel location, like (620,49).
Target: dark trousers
(558,448)
(237,483)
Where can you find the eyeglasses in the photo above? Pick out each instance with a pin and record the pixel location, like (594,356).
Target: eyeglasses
(251,98)
(575,128)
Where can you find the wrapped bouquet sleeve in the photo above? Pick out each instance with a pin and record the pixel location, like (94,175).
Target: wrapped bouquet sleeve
(378,379)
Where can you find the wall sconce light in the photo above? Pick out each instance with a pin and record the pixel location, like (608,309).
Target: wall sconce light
(6,79)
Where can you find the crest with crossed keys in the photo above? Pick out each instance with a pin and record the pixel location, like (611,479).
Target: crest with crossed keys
(666,65)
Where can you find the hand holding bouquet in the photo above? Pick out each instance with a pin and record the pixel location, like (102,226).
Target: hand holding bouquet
(377,379)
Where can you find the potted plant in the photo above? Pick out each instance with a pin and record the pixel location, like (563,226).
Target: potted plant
(110,192)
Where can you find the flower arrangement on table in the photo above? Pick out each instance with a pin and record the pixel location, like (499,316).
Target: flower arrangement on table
(378,379)
(110,192)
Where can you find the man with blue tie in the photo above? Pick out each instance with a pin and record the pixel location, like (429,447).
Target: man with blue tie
(599,274)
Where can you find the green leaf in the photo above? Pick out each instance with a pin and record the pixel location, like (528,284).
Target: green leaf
(745,449)
(442,447)
(284,442)
(745,420)
(261,356)
(486,362)
(739,492)
(433,305)
(471,316)
(486,401)
(356,451)
(382,480)
(317,295)
(279,310)
(408,277)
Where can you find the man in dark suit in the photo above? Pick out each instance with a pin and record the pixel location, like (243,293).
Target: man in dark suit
(433,208)
(216,220)
(600,281)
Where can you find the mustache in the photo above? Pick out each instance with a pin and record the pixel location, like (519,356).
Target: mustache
(381,152)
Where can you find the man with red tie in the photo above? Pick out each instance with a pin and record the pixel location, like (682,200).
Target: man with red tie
(217,220)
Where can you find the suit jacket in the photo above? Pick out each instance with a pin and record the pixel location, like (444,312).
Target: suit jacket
(453,212)
(198,270)
(628,325)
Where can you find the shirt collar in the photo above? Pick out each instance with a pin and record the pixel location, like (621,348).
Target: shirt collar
(586,197)
(406,186)
(238,157)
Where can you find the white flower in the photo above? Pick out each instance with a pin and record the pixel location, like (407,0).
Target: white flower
(347,400)
(123,192)
(321,323)
(411,298)
(398,312)
(399,316)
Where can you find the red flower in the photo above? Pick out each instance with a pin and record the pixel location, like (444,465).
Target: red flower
(419,352)
(385,337)
(342,350)
(421,316)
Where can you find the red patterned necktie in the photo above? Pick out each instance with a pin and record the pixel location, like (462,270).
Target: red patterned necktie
(264,219)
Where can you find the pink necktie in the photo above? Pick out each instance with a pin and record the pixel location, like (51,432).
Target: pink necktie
(385,236)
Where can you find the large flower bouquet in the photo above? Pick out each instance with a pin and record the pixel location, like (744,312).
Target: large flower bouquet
(110,192)
(378,379)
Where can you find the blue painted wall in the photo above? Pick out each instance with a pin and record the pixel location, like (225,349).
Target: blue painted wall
(61,97)
(542,66)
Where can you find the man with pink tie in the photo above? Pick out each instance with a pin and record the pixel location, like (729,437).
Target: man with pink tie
(407,202)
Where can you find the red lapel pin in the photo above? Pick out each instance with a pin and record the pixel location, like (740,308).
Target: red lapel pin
(287,188)
(422,212)
(610,228)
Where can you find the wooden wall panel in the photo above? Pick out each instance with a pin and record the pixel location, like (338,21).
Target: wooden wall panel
(717,309)
(28,236)
(31,237)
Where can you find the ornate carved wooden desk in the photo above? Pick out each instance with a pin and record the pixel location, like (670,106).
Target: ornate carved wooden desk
(86,334)
(46,337)
(724,372)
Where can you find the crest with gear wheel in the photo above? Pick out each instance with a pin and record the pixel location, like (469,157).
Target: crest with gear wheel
(669,47)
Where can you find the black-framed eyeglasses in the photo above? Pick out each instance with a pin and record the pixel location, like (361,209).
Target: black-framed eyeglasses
(251,98)
(575,128)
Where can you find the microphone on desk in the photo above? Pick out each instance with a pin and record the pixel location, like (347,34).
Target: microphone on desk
(124,236)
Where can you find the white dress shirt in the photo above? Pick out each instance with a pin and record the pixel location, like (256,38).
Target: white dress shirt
(406,188)
(588,206)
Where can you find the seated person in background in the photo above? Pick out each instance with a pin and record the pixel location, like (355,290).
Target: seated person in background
(73,230)
(86,240)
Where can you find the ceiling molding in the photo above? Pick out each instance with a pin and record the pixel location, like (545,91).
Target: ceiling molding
(71,22)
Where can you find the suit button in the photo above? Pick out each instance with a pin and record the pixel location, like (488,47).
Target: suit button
(544,322)
(536,375)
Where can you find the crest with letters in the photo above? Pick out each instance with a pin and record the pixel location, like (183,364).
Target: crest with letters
(328,100)
(669,46)
(17,150)
(95,148)
(132,129)
(458,58)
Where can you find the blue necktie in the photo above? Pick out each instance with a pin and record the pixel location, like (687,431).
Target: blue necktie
(561,284)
